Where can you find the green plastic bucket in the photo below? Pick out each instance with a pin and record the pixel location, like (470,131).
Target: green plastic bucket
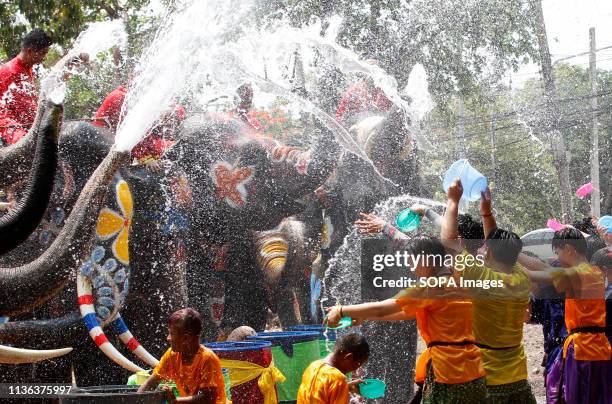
(293,352)
(327,337)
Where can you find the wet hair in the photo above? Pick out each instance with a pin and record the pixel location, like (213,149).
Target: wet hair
(190,319)
(353,343)
(36,39)
(471,231)
(429,247)
(594,243)
(572,237)
(505,246)
(585,225)
(602,258)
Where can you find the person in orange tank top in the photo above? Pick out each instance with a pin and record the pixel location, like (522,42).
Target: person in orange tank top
(582,370)
(451,367)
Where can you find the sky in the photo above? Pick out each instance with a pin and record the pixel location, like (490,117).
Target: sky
(567,26)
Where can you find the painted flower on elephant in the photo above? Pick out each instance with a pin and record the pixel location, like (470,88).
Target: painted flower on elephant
(230,183)
(111,223)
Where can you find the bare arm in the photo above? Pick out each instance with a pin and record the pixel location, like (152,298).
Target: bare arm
(151,383)
(532,263)
(539,276)
(364,311)
(486,213)
(449,233)
(204,396)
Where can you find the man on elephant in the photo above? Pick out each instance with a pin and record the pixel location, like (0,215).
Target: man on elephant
(244,111)
(18,95)
(362,97)
(159,139)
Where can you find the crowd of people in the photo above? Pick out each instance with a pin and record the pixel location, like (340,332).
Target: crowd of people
(474,338)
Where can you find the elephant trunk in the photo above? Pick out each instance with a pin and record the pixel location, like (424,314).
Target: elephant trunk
(52,333)
(16,159)
(26,287)
(17,225)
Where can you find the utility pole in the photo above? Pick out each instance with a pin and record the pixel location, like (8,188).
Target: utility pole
(557,142)
(494,148)
(595,207)
(461,129)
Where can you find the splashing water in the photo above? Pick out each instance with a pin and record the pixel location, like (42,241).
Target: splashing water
(182,48)
(184,58)
(341,282)
(98,37)
(418,91)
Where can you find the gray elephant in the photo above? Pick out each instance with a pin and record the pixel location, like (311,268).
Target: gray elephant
(239,183)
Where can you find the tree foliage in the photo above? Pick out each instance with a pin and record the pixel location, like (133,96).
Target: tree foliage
(62,19)
(461,44)
(525,188)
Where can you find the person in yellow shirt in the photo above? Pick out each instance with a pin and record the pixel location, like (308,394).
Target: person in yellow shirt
(196,370)
(451,367)
(500,300)
(582,371)
(324,381)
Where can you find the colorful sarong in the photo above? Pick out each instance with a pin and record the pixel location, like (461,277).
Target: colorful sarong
(511,393)
(579,381)
(474,391)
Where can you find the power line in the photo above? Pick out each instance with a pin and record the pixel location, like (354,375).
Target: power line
(583,113)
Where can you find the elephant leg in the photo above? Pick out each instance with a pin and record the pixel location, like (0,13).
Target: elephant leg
(200,281)
(246,297)
(286,307)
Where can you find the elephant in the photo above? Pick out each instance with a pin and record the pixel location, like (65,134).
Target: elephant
(353,187)
(239,183)
(19,222)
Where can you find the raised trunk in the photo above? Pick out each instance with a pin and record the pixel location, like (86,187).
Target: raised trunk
(17,225)
(30,285)
(16,159)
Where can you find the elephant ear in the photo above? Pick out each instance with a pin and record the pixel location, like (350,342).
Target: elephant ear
(83,146)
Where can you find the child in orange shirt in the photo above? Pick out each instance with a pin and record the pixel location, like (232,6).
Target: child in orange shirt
(195,369)
(324,381)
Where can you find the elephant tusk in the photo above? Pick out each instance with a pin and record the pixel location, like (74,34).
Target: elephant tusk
(133,345)
(88,314)
(16,356)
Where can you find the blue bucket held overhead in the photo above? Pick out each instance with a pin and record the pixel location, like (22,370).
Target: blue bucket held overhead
(473,182)
(285,340)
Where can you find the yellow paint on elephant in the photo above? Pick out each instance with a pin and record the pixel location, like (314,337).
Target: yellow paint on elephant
(272,255)
(111,223)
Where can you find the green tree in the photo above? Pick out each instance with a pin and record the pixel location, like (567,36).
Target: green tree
(461,44)
(526,191)
(62,19)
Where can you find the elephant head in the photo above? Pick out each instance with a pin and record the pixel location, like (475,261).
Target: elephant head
(27,286)
(242,181)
